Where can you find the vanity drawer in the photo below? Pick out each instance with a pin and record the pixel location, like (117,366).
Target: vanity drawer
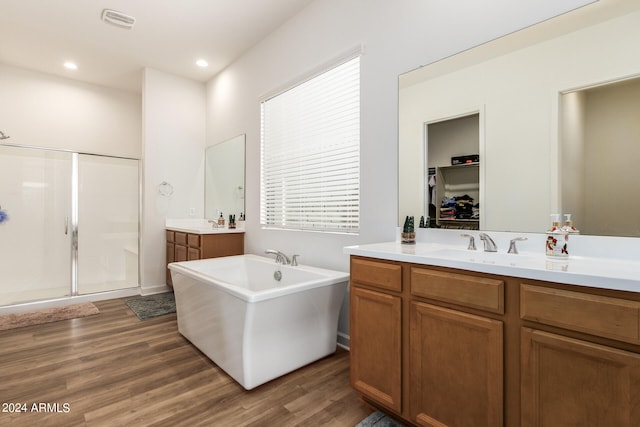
(193,240)
(180,238)
(607,317)
(469,291)
(170,236)
(384,275)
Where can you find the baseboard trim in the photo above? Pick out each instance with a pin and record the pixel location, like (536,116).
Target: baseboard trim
(344,340)
(64,301)
(144,291)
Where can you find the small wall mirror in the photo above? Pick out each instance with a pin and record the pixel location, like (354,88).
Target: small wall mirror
(225,178)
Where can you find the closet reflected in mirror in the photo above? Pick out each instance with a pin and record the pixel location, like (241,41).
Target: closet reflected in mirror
(453,181)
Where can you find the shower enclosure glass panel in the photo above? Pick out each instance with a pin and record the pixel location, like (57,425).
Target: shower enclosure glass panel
(107,223)
(35,237)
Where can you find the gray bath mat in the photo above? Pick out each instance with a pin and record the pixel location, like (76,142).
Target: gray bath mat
(378,419)
(152,305)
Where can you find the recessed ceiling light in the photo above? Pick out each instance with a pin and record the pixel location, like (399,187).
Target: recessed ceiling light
(70,65)
(202,63)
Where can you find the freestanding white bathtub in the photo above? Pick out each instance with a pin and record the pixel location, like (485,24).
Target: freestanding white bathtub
(252,326)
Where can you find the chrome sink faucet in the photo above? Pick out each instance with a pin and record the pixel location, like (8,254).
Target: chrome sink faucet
(512,245)
(472,242)
(489,244)
(280,257)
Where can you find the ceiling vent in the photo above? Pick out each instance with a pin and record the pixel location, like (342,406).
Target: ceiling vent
(118,19)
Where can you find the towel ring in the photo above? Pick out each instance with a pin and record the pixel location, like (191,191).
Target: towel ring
(165,189)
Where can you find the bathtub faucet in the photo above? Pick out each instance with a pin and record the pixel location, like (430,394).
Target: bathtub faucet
(280,257)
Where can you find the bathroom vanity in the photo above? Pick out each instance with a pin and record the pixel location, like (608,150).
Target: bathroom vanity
(450,337)
(186,242)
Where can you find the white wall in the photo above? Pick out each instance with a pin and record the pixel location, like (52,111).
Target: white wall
(42,110)
(173,146)
(397,36)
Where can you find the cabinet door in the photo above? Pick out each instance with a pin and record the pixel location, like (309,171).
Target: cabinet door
(193,240)
(455,367)
(180,253)
(569,382)
(376,346)
(193,254)
(219,245)
(170,258)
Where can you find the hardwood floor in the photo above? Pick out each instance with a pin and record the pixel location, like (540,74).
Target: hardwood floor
(113,369)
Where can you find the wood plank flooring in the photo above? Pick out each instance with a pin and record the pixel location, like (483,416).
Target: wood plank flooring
(113,369)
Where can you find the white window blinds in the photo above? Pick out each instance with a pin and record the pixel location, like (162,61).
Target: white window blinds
(310,158)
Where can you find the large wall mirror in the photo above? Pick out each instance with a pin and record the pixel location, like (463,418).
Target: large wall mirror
(557,108)
(225,178)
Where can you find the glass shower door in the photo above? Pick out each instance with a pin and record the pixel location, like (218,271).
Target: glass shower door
(35,235)
(108,203)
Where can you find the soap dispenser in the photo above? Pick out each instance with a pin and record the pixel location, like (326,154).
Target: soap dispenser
(568,225)
(221,221)
(557,239)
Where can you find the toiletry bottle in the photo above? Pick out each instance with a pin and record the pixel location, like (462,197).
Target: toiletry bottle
(568,225)
(232,221)
(221,221)
(241,221)
(557,245)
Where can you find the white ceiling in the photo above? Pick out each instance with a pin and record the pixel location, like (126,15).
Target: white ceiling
(169,35)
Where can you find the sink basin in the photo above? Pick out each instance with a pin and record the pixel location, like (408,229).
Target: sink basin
(514,260)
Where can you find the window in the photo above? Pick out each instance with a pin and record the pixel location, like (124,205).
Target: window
(310,159)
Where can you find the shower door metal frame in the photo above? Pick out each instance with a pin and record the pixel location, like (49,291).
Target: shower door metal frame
(74,224)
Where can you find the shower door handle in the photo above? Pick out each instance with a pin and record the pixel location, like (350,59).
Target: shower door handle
(66,225)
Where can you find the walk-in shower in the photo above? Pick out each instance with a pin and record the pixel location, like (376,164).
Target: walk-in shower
(70,224)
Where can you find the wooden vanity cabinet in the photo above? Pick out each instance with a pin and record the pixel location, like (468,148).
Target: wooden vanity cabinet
(445,347)
(572,382)
(189,246)
(587,372)
(416,352)
(376,331)
(170,253)
(456,357)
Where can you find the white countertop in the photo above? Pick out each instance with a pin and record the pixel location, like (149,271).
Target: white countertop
(198,226)
(605,273)
(206,230)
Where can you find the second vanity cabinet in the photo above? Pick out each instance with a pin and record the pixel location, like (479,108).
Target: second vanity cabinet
(570,379)
(437,346)
(183,246)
